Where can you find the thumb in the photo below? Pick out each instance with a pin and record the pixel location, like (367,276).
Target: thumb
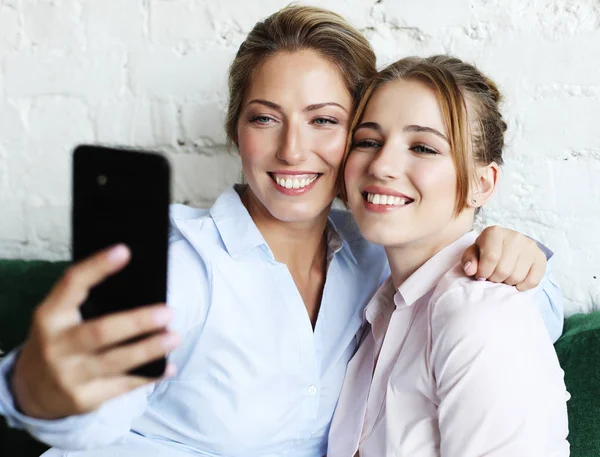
(470,260)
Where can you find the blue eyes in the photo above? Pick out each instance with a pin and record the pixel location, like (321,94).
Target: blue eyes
(418,148)
(366,144)
(260,119)
(321,121)
(325,121)
(422,149)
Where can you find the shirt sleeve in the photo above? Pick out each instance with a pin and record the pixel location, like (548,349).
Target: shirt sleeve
(549,299)
(500,387)
(114,418)
(101,427)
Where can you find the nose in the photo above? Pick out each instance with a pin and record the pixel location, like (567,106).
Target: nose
(291,149)
(387,164)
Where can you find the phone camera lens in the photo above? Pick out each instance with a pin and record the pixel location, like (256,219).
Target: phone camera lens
(102,180)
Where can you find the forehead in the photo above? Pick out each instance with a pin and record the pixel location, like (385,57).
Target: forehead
(299,76)
(405,102)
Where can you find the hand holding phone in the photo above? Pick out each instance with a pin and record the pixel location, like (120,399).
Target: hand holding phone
(58,370)
(122,196)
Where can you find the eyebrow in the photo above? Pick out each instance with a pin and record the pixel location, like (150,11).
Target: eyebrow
(421,128)
(312,107)
(409,128)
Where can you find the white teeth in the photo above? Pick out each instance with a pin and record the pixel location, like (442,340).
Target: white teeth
(294,183)
(390,200)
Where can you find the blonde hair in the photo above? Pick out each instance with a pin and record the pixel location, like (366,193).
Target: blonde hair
(295,28)
(479,138)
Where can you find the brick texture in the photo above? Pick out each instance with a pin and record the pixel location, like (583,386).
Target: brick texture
(152,73)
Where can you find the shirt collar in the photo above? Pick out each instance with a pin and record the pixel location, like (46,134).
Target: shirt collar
(380,301)
(335,241)
(237,229)
(240,234)
(430,273)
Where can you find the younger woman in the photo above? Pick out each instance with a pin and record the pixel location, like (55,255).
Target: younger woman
(448,366)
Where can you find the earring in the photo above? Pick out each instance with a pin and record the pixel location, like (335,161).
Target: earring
(474,201)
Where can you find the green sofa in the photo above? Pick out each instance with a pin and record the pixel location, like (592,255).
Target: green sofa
(24,283)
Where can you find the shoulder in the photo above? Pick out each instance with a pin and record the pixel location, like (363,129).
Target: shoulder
(461,307)
(181,213)
(189,282)
(192,230)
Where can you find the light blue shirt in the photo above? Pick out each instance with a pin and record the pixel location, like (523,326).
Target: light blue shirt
(253,379)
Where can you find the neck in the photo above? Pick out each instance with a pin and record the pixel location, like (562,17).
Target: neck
(300,245)
(406,258)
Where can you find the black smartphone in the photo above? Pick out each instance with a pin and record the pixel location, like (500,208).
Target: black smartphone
(122,196)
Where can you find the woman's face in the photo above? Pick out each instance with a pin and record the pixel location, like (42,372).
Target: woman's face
(400,176)
(292,133)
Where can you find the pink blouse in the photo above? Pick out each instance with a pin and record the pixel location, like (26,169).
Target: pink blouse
(464,368)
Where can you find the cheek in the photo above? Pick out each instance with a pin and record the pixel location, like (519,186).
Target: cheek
(354,171)
(436,180)
(330,145)
(255,144)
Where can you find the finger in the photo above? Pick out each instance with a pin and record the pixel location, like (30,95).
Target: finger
(534,277)
(102,332)
(122,359)
(505,266)
(520,271)
(489,257)
(470,260)
(72,289)
(94,394)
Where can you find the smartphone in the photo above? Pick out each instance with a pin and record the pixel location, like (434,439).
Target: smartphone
(122,196)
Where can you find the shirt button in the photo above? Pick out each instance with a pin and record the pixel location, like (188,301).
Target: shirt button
(312,390)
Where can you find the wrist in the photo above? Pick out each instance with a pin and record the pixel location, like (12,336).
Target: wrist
(21,394)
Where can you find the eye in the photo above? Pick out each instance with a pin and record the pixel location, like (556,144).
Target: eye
(365,144)
(422,149)
(261,120)
(325,121)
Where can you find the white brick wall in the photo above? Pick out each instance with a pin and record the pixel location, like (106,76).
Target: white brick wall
(152,73)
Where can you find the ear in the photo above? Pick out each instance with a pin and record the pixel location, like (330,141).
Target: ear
(483,188)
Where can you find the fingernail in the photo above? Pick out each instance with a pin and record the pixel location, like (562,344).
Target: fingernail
(118,253)
(170,371)
(170,341)
(466,266)
(481,279)
(162,316)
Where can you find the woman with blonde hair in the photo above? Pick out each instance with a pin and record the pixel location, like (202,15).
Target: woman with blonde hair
(266,288)
(447,367)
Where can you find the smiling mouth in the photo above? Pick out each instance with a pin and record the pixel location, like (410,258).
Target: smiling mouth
(386,200)
(300,181)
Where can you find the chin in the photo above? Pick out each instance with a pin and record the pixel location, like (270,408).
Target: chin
(382,234)
(300,212)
